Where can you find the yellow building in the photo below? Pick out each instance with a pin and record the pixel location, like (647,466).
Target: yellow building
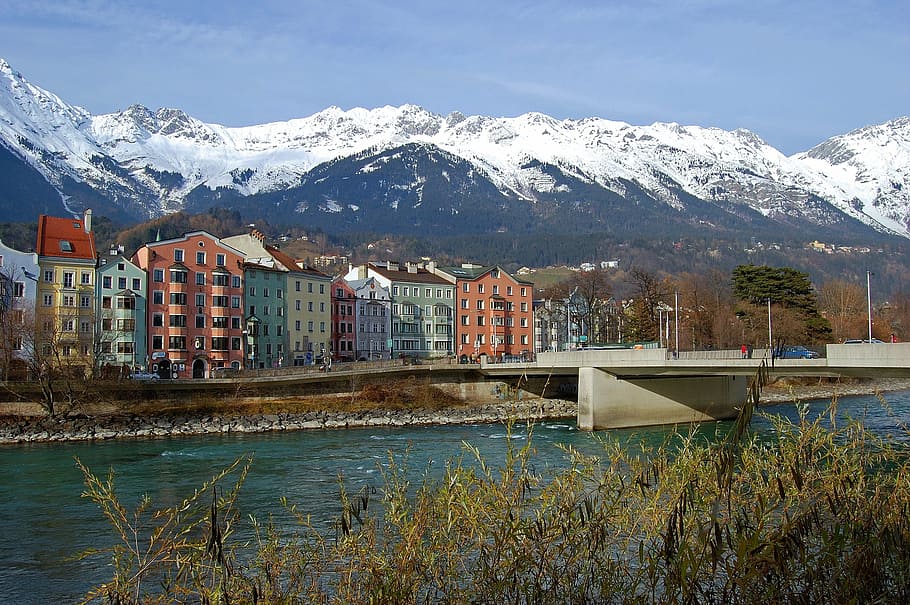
(66,287)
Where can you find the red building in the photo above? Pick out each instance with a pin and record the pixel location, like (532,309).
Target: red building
(195,305)
(343,320)
(494,311)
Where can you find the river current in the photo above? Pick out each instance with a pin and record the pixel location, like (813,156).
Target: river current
(44,522)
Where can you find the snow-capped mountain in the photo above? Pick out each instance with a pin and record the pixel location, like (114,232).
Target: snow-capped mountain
(405,167)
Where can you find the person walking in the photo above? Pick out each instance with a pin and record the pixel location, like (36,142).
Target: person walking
(744,349)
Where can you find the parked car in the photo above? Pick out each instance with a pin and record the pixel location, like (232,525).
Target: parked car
(798,352)
(859,341)
(144,376)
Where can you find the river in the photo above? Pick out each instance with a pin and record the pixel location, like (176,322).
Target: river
(44,521)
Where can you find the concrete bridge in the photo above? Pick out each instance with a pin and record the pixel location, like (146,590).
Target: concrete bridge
(639,387)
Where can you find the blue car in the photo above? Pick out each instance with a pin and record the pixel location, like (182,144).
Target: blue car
(798,352)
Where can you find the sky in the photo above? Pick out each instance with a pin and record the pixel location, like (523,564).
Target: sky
(794,72)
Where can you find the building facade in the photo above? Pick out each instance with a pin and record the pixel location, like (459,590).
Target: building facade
(65,307)
(195,305)
(18,290)
(343,321)
(495,314)
(423,306)
(120,316)
(373,311)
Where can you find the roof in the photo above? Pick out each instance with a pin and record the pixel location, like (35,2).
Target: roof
(476,271)
(422,276)
(293,265)
(65,238)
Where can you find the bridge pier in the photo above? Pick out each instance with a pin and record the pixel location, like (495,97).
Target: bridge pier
(606,402)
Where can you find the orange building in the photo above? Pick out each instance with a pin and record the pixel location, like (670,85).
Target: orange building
(195,305)
(494,311)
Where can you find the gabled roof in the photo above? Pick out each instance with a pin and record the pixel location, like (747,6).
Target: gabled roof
(421,276)
(65,238)
(293,265)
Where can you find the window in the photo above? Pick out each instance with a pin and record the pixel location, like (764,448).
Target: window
(265,329)
(48,300)
(235,281)
(178,255)
(107,282)
(235,323)
(480,305)
(69,325)
(137,284)
(85,326)
(19,289)
(309,326)
(49,276)
(121,283)
(200,258)
(309,306)
(177,343)
(480,288)
(126,325)
(296,305)
(494,273)
(508,290)
(200,300)
(297,325)
(297,285)
(220,323)
(107,302)
(85,301)
(178,298)
(524,292)
(427,292)
(524,307)
(66,246)
(235,343)
(279,293)
(322,307)
(158,297)
(322,288)
(220,259)
(200,321)
(68,279)
(322,326)
(158,275)
(495,289)
(265,309)
(309,287)
(178,276)
(157,320)
(107,324)
(252,290)
(464,303)
(177,321)
(265,291)
(158,342)
(235,302)
(465,320)
(220,301)
(339,293)
(220,280)
(200,279)
(69,300)
(219,343)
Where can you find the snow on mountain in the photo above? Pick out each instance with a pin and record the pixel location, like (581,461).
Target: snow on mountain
(155,159)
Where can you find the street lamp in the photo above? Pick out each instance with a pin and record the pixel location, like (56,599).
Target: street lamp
(869,275)
(770,341)
(676,320)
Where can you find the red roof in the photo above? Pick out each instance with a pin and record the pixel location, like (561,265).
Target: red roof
(65,238)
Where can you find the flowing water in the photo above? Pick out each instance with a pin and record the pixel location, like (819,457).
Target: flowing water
(44,521)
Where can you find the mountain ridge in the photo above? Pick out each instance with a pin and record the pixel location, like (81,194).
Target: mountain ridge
(139,163)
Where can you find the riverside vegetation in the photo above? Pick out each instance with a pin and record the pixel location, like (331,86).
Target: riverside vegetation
(818,513)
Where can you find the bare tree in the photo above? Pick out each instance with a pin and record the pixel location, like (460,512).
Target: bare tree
(843,303)
(643,316)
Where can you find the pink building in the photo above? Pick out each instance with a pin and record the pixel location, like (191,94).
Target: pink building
(195,305)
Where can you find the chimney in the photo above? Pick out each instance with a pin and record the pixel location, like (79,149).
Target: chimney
(87,220)
(412,267)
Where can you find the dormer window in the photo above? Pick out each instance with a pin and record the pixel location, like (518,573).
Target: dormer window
(66,246)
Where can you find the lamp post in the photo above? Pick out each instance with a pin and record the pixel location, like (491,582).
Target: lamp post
(676,321)
(770,340)
(869,301)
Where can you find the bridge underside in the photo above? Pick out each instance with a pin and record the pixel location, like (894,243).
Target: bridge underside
(608,402)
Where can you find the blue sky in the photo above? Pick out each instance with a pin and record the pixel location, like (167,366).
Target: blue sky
(794,72)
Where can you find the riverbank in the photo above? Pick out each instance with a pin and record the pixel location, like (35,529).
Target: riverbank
(25,428)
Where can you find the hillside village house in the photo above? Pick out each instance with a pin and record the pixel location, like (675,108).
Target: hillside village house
(195,307)
(494,311)
(373,327)
(120,315)
(66,291)
(18,289)
(422,307)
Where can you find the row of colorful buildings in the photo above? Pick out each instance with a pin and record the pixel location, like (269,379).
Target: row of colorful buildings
(184,307)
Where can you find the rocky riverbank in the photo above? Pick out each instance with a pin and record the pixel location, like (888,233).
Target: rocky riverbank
(26,429)
(81,427)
